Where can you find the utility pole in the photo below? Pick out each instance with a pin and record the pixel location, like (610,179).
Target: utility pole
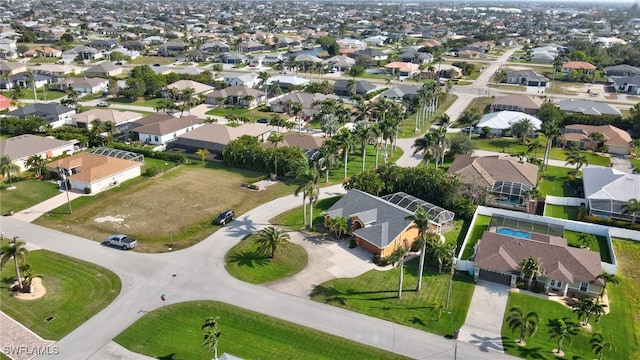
(63,176)
(453,264)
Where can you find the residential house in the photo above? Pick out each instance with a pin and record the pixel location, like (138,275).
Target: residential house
(94,173)
(215,137)
(236,95)
(374,54)
(287,82)
(11,68)
(43,51)
(441,71)
(468,54)
(20,148)
(608,190)
(157,130)
(154,40)
(361,87)
(616,140)
(25,81)
(251,46)
(172,48)
(349,43)
(250,80)
(198,88)
(55,114)
(377,40)
(587,107)
(622,70)
(283,103)
(233,58)
(570,66)
(82,52)
(566,269)
(123,51)
(500,122)
(522,103)
(398,68)
(56,69)
(505,179)
(380,225)
(104,69)
(400,93)
(102,44)
(627,84)
(119,118)
(8,49)
(82,85)
(340,63)
(216,47)
(526,78)
(307,142)
(414,56)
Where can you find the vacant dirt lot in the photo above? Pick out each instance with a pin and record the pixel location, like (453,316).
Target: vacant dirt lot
(183,201)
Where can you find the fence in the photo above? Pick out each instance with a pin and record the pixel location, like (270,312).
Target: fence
(565,201)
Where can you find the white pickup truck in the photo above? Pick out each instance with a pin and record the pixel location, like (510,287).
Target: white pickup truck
(122,241)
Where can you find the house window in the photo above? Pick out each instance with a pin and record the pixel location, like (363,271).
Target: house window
(155,138)
(556,284)
(584,286)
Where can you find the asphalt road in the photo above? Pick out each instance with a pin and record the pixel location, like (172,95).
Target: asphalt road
(198,273)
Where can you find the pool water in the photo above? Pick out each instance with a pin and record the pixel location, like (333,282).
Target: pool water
(514,233)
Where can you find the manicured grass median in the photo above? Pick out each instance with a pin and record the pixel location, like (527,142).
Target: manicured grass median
(26,194)
(246,263)
(293,219)
(174,332)
(375,294)
(76,290)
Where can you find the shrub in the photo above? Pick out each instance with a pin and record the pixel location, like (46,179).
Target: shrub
(152,171)
(145,151)
(352,243)
(610,222)
(87,190)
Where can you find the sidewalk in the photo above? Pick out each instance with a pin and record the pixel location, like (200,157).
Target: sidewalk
(20,343)
(34,212)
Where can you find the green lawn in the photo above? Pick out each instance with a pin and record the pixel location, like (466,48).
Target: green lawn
(562,212)
(408,126)
(480,226)
(635,163)
(554,182)
(152,103)
(354,163)
(174,332)
(26,194)
(76,291)
(600,245)
(375,294)
(482,103)
(151,60)
(511,146)
(293,219)
(246,263)
(42,95)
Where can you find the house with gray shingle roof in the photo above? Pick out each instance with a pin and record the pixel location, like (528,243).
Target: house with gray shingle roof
(240,95)
(380,225)
(400,93)
(215,137)
(587,107)
(55,114)
(20,148)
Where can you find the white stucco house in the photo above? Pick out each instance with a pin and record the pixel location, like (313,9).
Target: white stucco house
(20,148)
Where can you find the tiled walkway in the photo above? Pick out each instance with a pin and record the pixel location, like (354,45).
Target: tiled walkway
(20,343)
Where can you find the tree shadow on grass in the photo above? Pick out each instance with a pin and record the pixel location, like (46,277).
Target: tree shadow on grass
(530,353)
(167,357)
(418,321)
(250,258)
(330,294)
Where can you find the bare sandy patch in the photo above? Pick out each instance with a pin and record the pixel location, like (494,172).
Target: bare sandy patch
(38,290)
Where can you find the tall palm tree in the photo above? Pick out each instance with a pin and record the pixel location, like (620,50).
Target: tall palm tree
(365,134)
(522,128)
(470,118)
(18,252)
(188,100)
(420,219)
(577,158)
(607,279)
(599,345)
(272,239)
(37,164)
(632,207)
(328,158)
(526,324)
(16,95)
(346,141)
(582,309)
(530,268)
(424,144)
(442,143)
(8,168)
(534,146)
(32,81)
(562,330)
(551,130)
(307,184)
(211,335)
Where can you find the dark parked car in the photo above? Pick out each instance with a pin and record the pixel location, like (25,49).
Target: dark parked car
(263,121)
(224,218)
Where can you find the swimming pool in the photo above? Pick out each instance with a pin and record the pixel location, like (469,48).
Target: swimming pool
(514,233)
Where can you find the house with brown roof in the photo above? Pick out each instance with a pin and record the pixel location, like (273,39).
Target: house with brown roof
(20,148)
(570,66)
(95,173)
(104,69)
(237,95)
(43,51)
(616,140)
(159,130)
(522,103)
(565,269)
(505,179)
(399,68)
(215,137)
(11,68)
(119,118)
(198,88)
(468,54)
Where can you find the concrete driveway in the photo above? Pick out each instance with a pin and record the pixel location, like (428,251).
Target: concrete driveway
(328,259)
(483,325)
(621,163)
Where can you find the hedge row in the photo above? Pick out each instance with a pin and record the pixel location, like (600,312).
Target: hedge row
(162,155)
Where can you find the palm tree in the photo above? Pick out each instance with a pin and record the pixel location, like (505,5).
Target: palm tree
(31,76)
(401,251)
(527,325)
(425,145)
(328,158)
(441,142)
(37,164)
(345,141)
(202,153)
(339,225)
(443,251)
(522,128)
(307,182)
(187,96)
(562,330)
(18,252)
(534,146)
(8,168)
(420,219)
(632,207)
(551,130)
(599,345)
(211,335)
(110,128)
(365,133)
(598,138)
(16,95)
(607,279)
(272,239)
(577,158)
(530,268)
(470,118)
(583,308)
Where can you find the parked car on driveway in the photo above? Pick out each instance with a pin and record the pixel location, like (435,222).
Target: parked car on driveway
(224,218)
(102,104)
(122,241)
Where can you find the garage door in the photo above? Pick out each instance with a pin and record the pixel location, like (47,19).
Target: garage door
(495,277)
